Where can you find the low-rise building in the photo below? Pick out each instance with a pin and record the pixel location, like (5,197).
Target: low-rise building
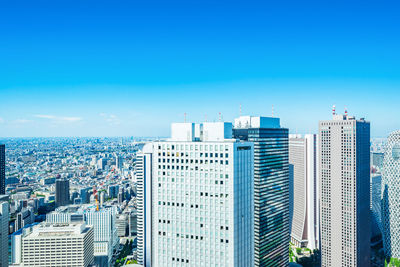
(58,245)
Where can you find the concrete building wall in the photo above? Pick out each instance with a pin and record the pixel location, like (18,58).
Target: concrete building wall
(344,160)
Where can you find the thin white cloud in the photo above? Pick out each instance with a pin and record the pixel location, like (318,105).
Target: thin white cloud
(70,119)
(111,118)
(57,119)
(44,116)
(22,121)
(1,120)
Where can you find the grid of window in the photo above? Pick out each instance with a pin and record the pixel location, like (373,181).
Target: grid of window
(193,203)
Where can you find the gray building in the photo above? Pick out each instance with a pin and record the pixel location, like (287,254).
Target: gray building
(4,218)
(344,172)
(304,204)
(271,188)
(2,169)
(62,192)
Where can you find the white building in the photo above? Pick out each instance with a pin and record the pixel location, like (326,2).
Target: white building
(58,245)
(195,198)
(4,218)
(104,224)
(304,208)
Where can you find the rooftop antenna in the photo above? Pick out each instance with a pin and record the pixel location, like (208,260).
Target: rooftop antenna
(345,111)
(220,116)
(185,116)
(240,110)
(205,117)
(334,110)
(272,110)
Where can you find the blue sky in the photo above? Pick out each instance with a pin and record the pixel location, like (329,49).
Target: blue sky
(122,68)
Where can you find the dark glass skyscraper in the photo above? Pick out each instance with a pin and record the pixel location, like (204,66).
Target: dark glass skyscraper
(271,188)
(62,192)
(2,169)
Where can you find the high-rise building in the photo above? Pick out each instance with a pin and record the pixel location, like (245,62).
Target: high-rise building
(84,195)
(62,192)
(58,245)
(119,163)
(200,188)
(2,169)
(304,204)
(271,188)
(104,224)
(4,218)
(390,197)
(344,174)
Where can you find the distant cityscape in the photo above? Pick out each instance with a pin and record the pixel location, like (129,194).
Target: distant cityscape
(242,193)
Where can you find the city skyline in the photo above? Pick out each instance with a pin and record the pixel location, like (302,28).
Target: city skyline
(130,69)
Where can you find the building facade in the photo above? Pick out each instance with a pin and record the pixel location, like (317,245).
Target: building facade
(58,245)
(390,197)
(62,192)
(304,203)
(103,222)
(2,169)
(344,173)
(201,191)
(4,218)
(271,188)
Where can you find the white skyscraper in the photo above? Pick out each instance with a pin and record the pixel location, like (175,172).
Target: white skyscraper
(196,192)
(344,174)
(304,201)
(58,245)
(4,218)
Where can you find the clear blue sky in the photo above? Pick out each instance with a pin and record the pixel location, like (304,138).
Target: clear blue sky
(122,68)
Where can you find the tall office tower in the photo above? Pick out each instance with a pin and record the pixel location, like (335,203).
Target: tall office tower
(62,192)
(390,197)
(4,218)
(344,174)
(58,245)
(304,203)
(104,224)
(201,196)
(271,188)
(84,194)
(119,163)
(2,169)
